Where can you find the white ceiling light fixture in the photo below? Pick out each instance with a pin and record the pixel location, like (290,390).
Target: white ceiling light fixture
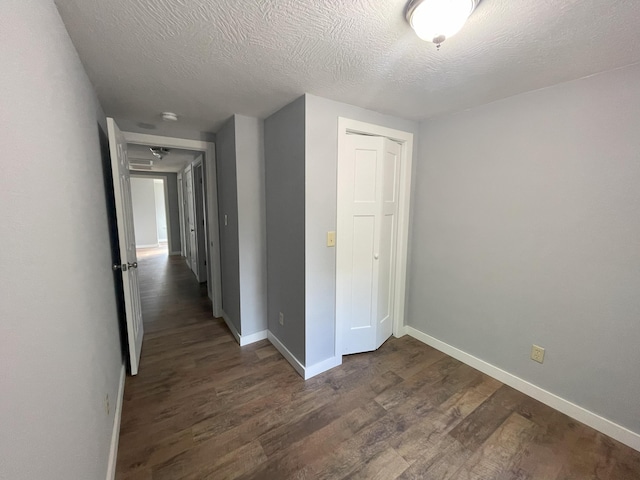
(169,117)
(159,152)
(437,20)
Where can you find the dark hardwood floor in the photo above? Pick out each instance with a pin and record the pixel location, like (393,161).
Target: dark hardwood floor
(204,408)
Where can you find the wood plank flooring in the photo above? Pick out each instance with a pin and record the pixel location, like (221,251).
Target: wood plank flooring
(204,408)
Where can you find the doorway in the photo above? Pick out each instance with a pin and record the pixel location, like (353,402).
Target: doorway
(374,178)
(151,214)
(210,201)
(167,193)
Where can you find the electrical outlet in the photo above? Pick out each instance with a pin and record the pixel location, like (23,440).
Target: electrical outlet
(537,353)
(281,320)
(107,405)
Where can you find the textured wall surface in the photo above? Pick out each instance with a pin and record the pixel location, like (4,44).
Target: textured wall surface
(526,230)
(208,59)
(59,342)
(284,151)
(228,205)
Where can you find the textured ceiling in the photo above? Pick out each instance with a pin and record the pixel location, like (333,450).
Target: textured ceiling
(208,59)
(174,161)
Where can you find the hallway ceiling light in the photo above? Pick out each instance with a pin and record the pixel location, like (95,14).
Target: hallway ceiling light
(169,117)
(159,152)
(437,20)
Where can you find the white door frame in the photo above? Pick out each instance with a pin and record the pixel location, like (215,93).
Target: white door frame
(201,229)
(181,214)
(190,216)
(209,173)
(346,125)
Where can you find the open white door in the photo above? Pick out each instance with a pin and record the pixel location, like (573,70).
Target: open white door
(126,238)
(368,181)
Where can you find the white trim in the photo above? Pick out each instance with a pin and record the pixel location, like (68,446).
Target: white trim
(231,326)
(115,434)
(252,338)
(169,142)
(574,411)
(211,213)
(183,248)
(243,339)
(305,372)
(345,126)
(289,357)
(177,252)
(322,366)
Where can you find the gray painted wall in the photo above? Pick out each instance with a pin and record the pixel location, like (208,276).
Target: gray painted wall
(60,352)
(249,144)
(284,148)
(161,211)
(174,205)
(143,200)
(526,230)
(321,148)
(228,205)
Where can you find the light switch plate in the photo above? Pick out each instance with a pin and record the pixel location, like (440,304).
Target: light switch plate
(331,239)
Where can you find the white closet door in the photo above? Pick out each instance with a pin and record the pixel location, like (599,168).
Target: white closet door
(386,251)
(368,171)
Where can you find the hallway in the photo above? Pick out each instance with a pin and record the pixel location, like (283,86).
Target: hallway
(204,408)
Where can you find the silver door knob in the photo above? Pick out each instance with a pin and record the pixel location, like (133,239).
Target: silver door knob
(375,255)
(116,266)
(133,265)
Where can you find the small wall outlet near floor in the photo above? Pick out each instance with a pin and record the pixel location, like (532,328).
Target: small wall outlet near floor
(537,353)
(281,319)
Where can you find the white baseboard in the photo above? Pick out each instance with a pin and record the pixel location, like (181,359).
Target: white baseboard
(574,411)
(252,338)
(175,253)
(115,434)
(153,245)
(304,372)
(231,326)
(322,366)
(243,339)
(290,357)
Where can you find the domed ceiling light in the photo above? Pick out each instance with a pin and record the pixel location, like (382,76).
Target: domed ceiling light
(437,20)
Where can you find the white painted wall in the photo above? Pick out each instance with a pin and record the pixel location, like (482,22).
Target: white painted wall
(60,353)
(161,214)
(143,198)
(526,221)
